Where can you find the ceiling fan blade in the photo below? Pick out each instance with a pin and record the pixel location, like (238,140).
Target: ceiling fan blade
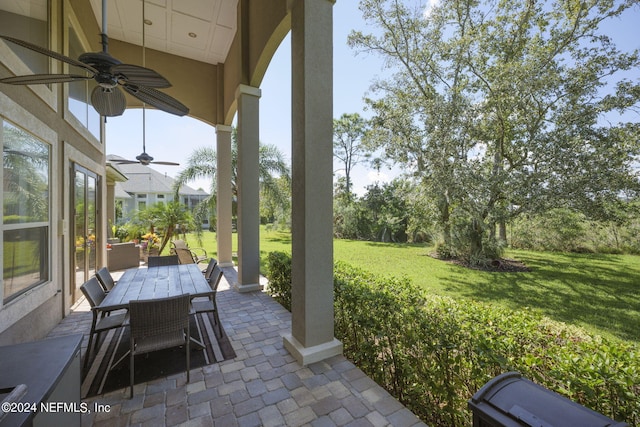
(108,102)
(166,163)
(125,162)
(35,79)
(49,53)
(157,99)
(140,76)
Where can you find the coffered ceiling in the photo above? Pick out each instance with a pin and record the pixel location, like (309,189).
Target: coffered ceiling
(197,29)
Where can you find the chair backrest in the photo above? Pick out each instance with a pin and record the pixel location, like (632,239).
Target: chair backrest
(185,256)
(156,261)
(158,316)
(93,291)
(212,263)
(179,244)
(215,278)
(105,278)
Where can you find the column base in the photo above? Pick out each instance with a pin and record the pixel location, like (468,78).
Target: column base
(252,287)
(308,355)
(226,264)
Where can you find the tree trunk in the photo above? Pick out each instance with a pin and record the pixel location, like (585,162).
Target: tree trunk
(475,237)
(445,221)
(502,234)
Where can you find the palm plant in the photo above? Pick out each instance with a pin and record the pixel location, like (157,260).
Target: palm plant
(202,164)
(163,217)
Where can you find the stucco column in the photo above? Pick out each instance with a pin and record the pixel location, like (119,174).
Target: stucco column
(224,195)
(248,189)
(312,323)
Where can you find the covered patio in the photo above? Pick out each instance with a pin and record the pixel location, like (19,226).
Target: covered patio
(215,54)
(263,386)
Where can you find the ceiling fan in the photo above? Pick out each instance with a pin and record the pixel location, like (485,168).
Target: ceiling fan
(110,74)
(144,158)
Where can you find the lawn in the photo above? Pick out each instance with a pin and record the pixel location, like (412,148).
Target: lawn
(598,292)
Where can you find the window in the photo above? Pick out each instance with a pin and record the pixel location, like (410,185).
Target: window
(142,206)
(25,210)
(80,92)
(160,196)
(27,20)
(141,196)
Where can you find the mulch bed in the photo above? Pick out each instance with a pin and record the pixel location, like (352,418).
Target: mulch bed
(503,265)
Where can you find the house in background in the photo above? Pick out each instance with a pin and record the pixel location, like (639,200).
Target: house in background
(146,187)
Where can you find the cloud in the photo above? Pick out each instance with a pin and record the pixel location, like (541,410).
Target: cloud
(431,4)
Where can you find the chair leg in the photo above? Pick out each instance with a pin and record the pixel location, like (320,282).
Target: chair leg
(87,355)
(188,354)
(131,357)
(216,317)
(91,333)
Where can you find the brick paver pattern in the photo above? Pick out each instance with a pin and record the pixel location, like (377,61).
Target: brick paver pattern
(262,386)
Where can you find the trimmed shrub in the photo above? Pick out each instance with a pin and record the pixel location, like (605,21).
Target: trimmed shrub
(433,353)
(279,274)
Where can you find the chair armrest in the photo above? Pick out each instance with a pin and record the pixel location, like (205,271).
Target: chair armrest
(199,252)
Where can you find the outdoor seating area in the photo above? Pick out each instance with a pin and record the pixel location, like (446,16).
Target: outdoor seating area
(261,384)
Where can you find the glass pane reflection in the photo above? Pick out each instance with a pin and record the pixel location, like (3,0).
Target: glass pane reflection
(27,20)
(26,177)
(25,260)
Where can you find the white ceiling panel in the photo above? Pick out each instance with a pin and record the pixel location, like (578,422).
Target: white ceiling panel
(184,27)
(221,42)
(228,13)
(212,21)
(202,9)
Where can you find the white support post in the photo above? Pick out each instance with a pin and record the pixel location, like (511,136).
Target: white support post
(248,189)
(312,331)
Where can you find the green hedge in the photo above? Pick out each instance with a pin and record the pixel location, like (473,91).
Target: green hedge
(279,266)
(433,353)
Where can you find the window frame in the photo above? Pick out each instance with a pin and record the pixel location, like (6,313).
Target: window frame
(20,118)
(8,58)
(71,21)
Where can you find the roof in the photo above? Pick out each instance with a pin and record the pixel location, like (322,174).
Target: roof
(145,179)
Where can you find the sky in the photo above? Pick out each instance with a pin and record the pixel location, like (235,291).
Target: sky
(172,138)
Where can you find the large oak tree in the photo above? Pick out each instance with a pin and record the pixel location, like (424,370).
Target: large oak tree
(505,107)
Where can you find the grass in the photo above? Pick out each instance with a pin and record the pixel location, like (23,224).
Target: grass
(598,292)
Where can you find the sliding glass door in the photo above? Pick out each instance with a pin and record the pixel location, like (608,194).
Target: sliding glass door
(85,195)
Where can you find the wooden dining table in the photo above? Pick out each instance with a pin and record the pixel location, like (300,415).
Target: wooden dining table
(155,283)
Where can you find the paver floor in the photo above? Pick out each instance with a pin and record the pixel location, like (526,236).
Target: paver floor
(262,386)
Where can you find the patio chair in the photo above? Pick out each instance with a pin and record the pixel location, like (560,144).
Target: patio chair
(157,261)
(102,320)
(202,305)
(198,254)
(207,271)
(186,256)
(158,324)
(106,279)
(179,244)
